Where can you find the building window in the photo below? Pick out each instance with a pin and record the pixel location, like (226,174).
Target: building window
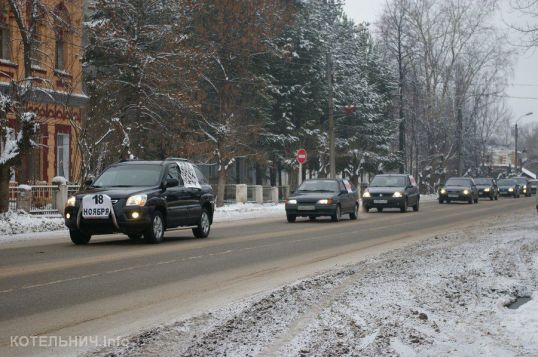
(60,53)
(62,155)
(5,43)
(35,49)
(5,35)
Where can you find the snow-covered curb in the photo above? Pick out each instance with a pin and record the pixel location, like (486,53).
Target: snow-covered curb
(18,226)
(446,295)
(13,223)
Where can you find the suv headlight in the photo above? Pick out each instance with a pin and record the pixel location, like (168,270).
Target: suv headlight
(443,191)
(71,202)
(466,192)
(328,201)
(366,195)
(137,200)
(397,195)
(292,202)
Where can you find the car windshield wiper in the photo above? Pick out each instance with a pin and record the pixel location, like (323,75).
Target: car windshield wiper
(121,186)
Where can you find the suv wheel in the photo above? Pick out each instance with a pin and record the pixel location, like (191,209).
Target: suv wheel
(155,232)
(204,225)
(291,218)
(79,237)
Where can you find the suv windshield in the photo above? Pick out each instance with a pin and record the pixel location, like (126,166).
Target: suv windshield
(319,186)
(389,181)
(130,176)
(482,181)
(506,183)
(458,182)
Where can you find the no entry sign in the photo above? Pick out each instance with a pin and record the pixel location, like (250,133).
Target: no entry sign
(301,156)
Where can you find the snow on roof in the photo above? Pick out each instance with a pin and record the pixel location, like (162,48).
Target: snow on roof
(528,173)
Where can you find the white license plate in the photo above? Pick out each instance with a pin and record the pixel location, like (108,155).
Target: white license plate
(306,208)
(96,206)
(454,196)
(381,202)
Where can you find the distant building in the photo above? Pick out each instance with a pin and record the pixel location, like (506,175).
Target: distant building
(57,61)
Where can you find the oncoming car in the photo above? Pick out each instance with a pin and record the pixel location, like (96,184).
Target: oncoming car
(392,191)
(533,184)
(459,189)
(523,183)
(508,187)
(487,187)
(142,199)
(323,197)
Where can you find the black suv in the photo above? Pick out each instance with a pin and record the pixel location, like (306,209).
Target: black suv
(142,198)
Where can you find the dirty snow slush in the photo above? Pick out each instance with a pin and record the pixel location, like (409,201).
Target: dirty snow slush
(445,295)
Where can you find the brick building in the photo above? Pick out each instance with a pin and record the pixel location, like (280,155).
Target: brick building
(56,60)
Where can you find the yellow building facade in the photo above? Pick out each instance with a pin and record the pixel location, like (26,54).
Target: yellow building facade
(59,101)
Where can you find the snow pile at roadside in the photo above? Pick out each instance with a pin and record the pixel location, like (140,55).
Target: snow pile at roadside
(239,211)
(12,223)
(445,295)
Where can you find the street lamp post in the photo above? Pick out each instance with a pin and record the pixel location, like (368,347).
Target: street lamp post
(516,137)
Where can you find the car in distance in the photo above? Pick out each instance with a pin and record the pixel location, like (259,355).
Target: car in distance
(459,189)
(391,191)
(523,183)
(533,184)
(142,198)
(487,188)
(323,197)
(508,187)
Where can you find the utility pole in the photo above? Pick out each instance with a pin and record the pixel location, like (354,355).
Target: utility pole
(459,103)
(515,164)
(332,145)
(516,137)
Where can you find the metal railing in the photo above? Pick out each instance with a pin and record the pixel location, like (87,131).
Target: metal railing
(43,200)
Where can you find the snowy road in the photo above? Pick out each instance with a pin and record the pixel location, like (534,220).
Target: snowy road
(381,303)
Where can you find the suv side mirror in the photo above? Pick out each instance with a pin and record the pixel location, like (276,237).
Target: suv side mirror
(172,182)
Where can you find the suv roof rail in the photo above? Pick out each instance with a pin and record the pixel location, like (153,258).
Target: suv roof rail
(176,159)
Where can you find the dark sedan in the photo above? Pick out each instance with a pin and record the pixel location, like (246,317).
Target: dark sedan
(523,183)
(392,191)
(508,187)
(322,198)
(459,189)
(487,188)
(533,184)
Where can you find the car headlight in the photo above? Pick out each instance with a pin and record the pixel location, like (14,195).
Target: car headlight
(487,189)
(510,189)
(328,201)
(292,202)
(71,202)
(466,192)
(137,200)
(443,191)
(397,195)
(367,195)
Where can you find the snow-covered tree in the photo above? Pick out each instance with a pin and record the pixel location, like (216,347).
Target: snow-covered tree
(18,125)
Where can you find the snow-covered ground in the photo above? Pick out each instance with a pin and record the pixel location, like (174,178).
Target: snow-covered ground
(445,295)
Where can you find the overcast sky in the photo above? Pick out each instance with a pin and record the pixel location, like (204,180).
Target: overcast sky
(525,80)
